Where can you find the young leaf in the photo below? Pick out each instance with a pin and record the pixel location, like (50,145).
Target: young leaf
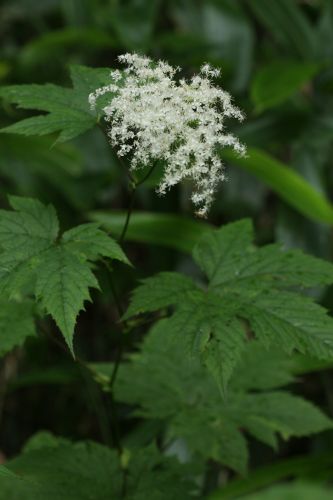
(58,270)
(247,286)
(68,110)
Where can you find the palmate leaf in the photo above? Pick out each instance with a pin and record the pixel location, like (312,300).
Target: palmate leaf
(57,470)
(62,287)
(89,241)
(250,291)
(57,269)
(24,235)
(211,426)
(68,110)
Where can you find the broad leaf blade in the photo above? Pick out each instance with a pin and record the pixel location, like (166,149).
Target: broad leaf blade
(169,230)
(290,186)
(92,243)
(62,286)
(68,109)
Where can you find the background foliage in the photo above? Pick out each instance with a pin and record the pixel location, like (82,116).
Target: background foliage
(277,61)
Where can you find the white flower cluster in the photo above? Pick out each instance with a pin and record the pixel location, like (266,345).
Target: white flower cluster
(154,116)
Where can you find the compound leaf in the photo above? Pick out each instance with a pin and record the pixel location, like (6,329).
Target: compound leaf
(57,270)
(68,110)
(92,243)
(62,286)
(248,294)
(213,427)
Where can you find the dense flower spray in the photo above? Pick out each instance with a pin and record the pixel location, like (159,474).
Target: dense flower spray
(154,116)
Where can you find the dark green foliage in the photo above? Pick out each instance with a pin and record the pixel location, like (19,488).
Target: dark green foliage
(57,469)
(217,381)
(57,269)
(68,109)
(192,405)
(250,291)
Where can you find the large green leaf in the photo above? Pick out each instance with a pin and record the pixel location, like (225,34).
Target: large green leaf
(246,286)
(274,83)
(212,427)
(296,467)
(68,110)
(54,469)
(56,268)
(168,230)
(289,185)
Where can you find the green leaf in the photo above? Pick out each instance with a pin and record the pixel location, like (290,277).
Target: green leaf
(296,467)
(30,229)
(290,321)
(290,186)
(81,471)
(276,82)
(219,252)
(169,230)
(24,235)
(57,469)
(68,109)
(16,324)
(158,292)
(57,270)
(274,363)
(210,331)
(62,287)
(248,293)
(92,243)
(287,24)
(279,412)
(58,41)
(212,427)
(297,491)
(44,439)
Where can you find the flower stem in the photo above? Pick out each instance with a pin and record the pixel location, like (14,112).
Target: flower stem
(135,185)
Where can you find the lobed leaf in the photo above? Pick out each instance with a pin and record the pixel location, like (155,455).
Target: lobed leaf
(62,287)
(56,270)
(92,243)
(251,292)
(67,109)
(58,470)
(212,427)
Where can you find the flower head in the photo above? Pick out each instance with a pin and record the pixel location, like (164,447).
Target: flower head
(153,116)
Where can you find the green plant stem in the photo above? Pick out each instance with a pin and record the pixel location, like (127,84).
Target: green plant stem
(128,215)
(135,185)
(114,291)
